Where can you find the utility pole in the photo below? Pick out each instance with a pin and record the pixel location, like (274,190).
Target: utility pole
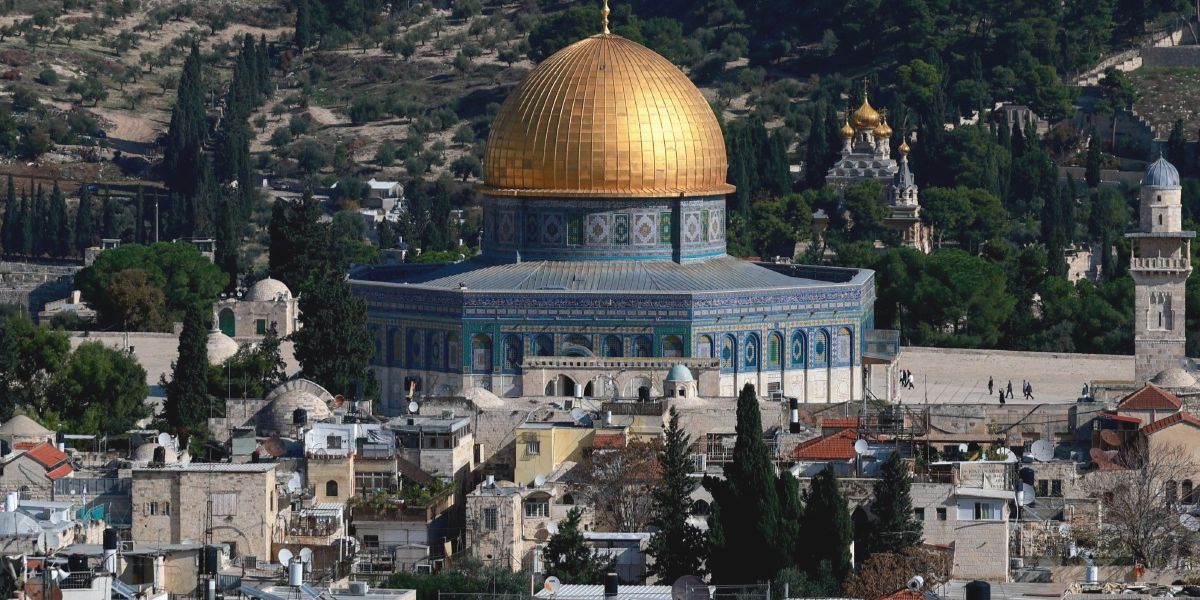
(156,212)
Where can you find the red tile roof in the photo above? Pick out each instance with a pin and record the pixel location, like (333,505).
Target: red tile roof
(25,445)
(839,446)
(1150,397)
(59,473)
(46,455)
(1179,417)
(1122,418)
(904,594)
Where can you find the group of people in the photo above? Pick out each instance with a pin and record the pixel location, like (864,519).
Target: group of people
(1007,391)
(906,380)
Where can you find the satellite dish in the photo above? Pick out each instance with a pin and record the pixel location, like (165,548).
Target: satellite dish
(1009,456)
(1027,494)
(1042,450)
(689,587)
(1111,438)
(539,480)
(164,440)
(552,584)
(285,557)
(294,483)
(860,447)
(306,555)
(962,448)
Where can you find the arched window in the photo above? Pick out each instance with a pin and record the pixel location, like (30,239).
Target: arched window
(799,349)
(613,347)
(751,356)
(843,353)
(543,345)
(435,359)
(729,354)
(481,353)
(700,508)
(774,350)
(227,322)
(416,349)
(397,356)
(1185,490)
(578,345)
(1172,491)
(672,346)
(643,347)
(453,352)
(513,353)
(821,349)
(704,347)
(331,489)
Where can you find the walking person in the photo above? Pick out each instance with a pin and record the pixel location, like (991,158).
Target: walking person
(990,385)
(1029,390)
(1001,397)
(1010,395)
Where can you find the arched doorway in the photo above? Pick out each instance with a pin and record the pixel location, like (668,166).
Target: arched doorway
(227,322)
(560,386)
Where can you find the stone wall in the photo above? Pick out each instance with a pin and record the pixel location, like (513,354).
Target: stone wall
(32,285)
(1171,56)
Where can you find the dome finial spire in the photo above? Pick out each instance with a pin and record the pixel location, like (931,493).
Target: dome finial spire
(604,11)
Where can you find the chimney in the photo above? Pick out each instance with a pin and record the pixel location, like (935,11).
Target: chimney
(610,586)
(794,426)
(109,559)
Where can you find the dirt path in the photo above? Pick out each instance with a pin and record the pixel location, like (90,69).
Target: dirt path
(134,128)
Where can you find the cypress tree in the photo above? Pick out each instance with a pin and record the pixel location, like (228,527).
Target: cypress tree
(1091,174)
(827,519)
(745,518)
(58,223)
(8,237)
(227,241)
(894,528)
(108,216)
(188,128)
(28,225)
(41,224)
(303,37)
(776,171)
(815,149)
(677,546)
(187,404)
(1018,144)
(84,229)
(333,346)
(1004,132)
(264,66)
(295,249)
(1177,146)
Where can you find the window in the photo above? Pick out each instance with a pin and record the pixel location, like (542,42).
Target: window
(1186,491)
(1056,488)
(260,326)
(537,509)
(333,442)
(941,514)
(331,488)
(986,511)
(489,519)
(1043,488)
(164,508)
(533,448)
(919,514)
(371,541)
(152,509)
(224,504)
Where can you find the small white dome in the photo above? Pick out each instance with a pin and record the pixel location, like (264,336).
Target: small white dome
(220,347)
(679,373)
(145,453)
(268,290)
(1174,377)
(278,416)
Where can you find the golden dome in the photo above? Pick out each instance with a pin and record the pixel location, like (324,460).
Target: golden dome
(605,117)
(865,116)
(903,149)
(883,130)
(847,130)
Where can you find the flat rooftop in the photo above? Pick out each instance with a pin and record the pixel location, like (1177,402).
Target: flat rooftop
(960,376)
(210,468)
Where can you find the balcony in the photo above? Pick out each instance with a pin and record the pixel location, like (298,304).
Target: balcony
(1157,263)
(414,503)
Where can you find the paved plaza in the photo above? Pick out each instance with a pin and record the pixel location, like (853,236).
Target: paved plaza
(955,376)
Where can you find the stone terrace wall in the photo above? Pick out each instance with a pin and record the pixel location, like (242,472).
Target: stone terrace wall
(1171,56)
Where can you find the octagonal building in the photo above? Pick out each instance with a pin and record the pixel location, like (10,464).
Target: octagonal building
(603,261)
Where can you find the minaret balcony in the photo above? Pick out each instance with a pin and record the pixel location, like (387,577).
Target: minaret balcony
(1158,263)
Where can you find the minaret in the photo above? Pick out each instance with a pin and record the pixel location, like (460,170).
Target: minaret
(1160,265)
(906,209)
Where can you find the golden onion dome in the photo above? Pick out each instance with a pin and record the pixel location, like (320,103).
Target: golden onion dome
(883,130)
(865,117)
(903,149)
(605,117)
(847,130)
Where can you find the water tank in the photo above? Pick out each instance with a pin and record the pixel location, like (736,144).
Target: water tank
(110,539)
(160,455)
(299,417)
(1092,574)
(979,590)
(359,588)
(211,561)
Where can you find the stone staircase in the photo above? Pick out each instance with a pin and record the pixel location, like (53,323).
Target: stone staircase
(1131,59)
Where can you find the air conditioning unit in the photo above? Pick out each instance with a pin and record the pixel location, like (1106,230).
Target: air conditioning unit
(359,588)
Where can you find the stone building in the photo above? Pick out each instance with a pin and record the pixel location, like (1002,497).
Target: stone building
(32,469)
(508,523)
(267,302)
(442,446)
(233,504)
(604,238)
(1160,266)
(22,430)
